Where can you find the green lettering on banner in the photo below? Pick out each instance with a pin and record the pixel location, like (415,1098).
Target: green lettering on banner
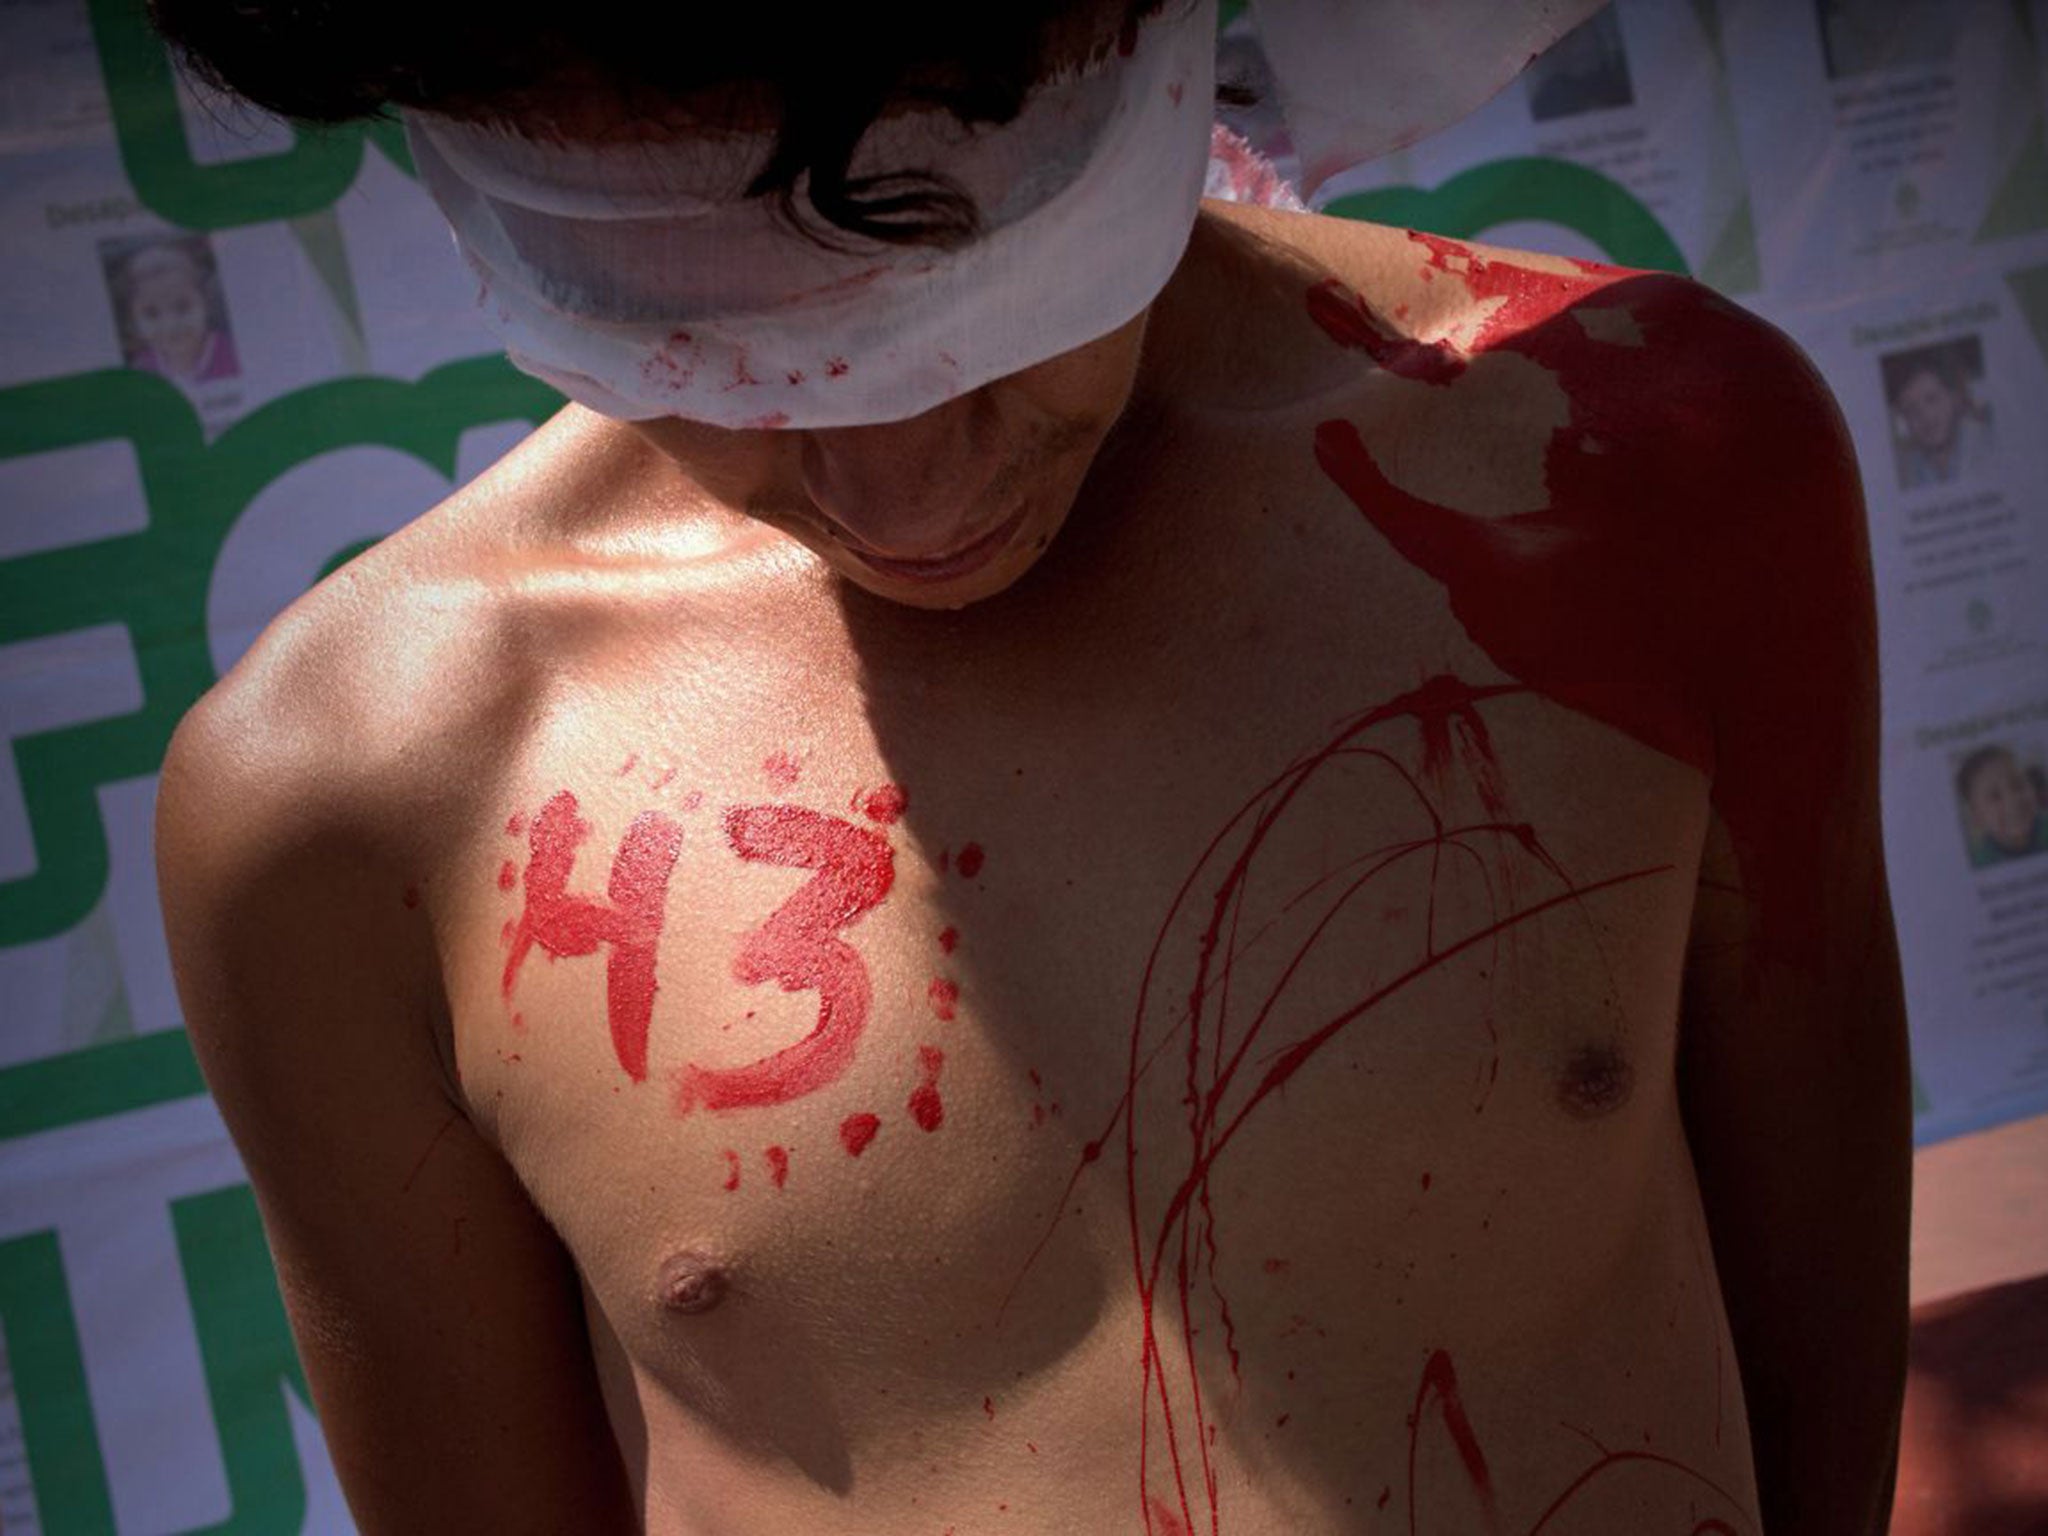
(1526,187)
(155,582)
(142,92)
(245,1348)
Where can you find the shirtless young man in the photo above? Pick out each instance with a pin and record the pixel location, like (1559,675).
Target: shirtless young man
(1333,975)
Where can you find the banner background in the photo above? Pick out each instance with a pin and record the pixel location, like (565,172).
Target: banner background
(1869,174)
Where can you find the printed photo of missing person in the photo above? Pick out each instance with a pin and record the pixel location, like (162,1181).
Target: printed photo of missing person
(2002,797)
(1585,71)
(1941,430)
(1858,37)
(168,307)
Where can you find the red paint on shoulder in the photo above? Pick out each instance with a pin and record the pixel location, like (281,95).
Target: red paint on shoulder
(884,804)
(970,860)
(732,1169)
(856,1131)
(778,1166)
(925,1106)
(508,877)
(949,939)
(781,769)
(944,996)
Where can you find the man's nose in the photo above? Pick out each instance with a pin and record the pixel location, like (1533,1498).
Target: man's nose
(940,456)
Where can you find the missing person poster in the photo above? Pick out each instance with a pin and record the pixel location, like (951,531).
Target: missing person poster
(235,354)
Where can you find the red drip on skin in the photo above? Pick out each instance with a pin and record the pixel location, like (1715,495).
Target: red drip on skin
(1649,618)
(798,948)
(778,1166)
(925,1106)
(628,922)
(732,1170)
(781,769)
(1208,1051)
(970,861)
(944,996)
(508,877)
(949,939)
(856,1131)
(884,804)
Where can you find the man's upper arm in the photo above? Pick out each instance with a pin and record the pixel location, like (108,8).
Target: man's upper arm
(438,1317)
(1793,1070)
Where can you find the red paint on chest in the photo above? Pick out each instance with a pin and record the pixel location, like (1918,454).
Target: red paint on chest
(508,875)
(732,1170)
(944,996)
(856,1131)
(925,1106)
(884,804)
(627,921)
(970,861)
(800,950)
(781,769)
(949,939)
(778,1166)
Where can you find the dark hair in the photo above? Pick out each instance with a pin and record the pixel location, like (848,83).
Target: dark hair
(827,73)
(1973,765)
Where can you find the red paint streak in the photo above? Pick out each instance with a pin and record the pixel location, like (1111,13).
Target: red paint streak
(925,1107)
(798,948)
(884,804)
(507,931)
(410,896)
(856,1131)
(778,1166)
(836,367)
(1162,1519)
(970,861)
(949,939)
(1439,1389)
(732,1170)
(628,921)
(781,769)
(508,876)
(515,824)
(1646,614)
(446,1126)
(988,1406)
(944,996)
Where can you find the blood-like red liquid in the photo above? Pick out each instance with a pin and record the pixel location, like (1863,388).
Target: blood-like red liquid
(925,1106)
(856,1131)
(800,950)
(944,996)
(628,921)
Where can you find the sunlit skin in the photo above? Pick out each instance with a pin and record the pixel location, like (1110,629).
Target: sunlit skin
(2003,803)
(1293,999)
(167,308)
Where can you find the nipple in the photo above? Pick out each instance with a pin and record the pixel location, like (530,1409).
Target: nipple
(691,1282)
(1597,1081)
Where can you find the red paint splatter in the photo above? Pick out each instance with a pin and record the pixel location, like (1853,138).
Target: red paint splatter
(970,861)
(944,996)
(627,766)
(925,1107)
(515,824)
(781,769)
(410,897)
(988,1406)
(799,949)
(508,876)
(795,376)
(836,367)
(662,782)
(1425,1181)
(856,1131)
(949,939)
(693,799)
(778,1166)
(1162,1519)
(1652,621)
(732,1170)
(884,804)
(628,921)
